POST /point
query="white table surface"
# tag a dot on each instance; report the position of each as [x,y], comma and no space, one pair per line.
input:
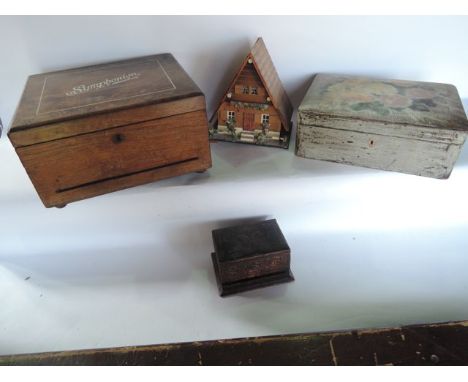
[369,249]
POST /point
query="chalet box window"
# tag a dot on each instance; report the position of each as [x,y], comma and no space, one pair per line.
[231,115]
[245,90]
[253,91]
[265,119]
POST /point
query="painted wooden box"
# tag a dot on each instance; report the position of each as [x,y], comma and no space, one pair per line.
[255,109]
[92,130]
[411,127]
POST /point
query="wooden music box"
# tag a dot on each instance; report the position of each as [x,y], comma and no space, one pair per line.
[250,256]
[88,131]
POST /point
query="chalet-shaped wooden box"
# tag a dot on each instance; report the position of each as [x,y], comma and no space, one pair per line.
[250,256]
[411,127]
[92,130]
[255,108]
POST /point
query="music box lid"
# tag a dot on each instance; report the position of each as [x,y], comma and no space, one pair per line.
[396,102]
[72,94]
[247,240]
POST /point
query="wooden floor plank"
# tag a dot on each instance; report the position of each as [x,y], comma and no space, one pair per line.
[429,344]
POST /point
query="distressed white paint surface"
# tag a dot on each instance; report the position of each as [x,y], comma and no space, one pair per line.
[412,156]
[406,126]
[383,128]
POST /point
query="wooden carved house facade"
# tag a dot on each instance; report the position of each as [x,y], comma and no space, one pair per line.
[255,109]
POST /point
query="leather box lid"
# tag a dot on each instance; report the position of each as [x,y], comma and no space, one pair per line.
[396,102]
[245,241]
[82,92]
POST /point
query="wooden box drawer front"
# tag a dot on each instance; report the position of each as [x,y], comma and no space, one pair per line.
[82,161]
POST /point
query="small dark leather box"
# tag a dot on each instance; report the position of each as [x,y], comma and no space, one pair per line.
[92,130]
[250,256]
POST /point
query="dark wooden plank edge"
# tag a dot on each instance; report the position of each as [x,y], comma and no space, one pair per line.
[429,344]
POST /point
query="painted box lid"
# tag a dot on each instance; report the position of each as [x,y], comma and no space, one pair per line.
[392,102]
[86,92]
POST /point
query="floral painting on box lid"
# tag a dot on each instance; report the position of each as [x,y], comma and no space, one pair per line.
[393,101]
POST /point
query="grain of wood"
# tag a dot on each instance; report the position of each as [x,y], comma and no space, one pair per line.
[430,344]
[65,170]
[88,131]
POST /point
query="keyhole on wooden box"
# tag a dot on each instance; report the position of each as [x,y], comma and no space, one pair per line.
[117,138]
[371,143]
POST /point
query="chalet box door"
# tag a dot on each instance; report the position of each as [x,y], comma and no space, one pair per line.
[249,119]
